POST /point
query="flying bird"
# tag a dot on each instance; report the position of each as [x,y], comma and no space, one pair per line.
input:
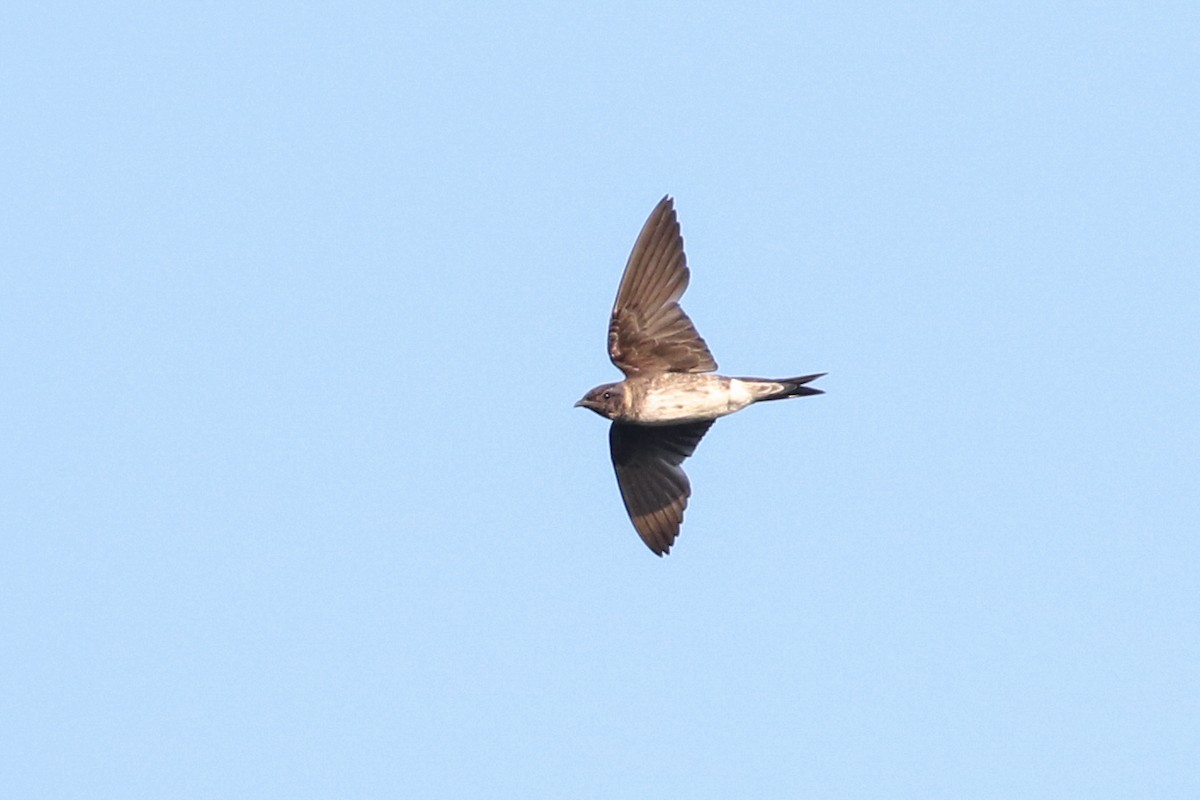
[670,396]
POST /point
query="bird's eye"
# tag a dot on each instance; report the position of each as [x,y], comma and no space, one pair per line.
[607,395]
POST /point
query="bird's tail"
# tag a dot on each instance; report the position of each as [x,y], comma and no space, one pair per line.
[779,388]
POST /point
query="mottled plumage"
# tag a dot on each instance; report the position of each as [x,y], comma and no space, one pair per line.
[668,401]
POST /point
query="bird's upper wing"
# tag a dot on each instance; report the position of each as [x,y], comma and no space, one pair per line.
[648,331]
[653,486]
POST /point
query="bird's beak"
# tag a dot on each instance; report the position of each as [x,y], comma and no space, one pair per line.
[579,404]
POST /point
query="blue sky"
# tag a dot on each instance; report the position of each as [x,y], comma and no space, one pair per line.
[298,300]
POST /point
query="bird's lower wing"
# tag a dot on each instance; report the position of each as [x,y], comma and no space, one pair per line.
[653,485]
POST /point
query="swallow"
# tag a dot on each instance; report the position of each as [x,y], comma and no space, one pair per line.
[670,396]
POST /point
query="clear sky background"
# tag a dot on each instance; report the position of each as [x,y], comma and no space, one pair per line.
[297,299]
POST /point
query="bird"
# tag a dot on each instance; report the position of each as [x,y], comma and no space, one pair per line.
[671,395]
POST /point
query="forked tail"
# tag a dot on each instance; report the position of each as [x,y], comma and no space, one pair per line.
[779,388]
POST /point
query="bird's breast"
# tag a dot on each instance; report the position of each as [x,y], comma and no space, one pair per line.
[674,399]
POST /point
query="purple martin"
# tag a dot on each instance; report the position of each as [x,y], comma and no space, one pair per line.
[670,396]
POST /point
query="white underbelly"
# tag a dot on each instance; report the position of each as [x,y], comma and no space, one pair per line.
[709,400]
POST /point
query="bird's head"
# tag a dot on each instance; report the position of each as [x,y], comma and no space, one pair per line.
[606,400]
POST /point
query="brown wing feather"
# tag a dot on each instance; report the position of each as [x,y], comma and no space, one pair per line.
[648,331]
[653,485]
